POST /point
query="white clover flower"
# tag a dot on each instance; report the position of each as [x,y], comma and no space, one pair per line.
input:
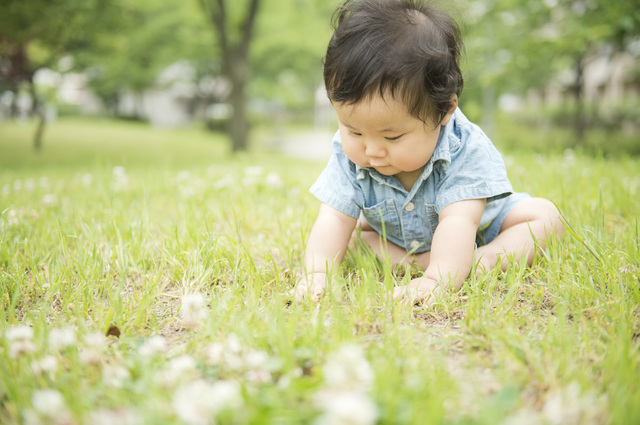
[273,180]
[258,376]
[61,338]
[184,175]
[114,376]
[346,408]
[114,417]
[157,344]
[226,181]
[46,364]
[20,339]
[49,200]
[86,179]
[198,402]
[570,406]
[44,182]
[6,190]
[252,175]
[120,179]
[193,310]
[215,352]
[227,355]
[12,217]
[255,171]
[49,403]
[91,353]
[256,359]
[29,185]
[180,368]
[226,395]
[348,369]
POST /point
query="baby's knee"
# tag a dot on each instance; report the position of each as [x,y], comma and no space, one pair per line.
[545,211]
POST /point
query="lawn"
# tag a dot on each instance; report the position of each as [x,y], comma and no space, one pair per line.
[144,278]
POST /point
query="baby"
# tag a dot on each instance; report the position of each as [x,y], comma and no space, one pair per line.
[409,174]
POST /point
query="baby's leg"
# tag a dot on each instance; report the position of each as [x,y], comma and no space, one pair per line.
[531,223]
[365,234]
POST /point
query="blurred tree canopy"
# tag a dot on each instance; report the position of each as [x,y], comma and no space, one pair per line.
[515,45]
[272,49]
[36,34]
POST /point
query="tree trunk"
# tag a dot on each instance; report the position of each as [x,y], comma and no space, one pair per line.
[238,125]
[580,124]
[39,112]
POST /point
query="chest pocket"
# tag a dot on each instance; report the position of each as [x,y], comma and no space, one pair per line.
[432,218]
[384,212]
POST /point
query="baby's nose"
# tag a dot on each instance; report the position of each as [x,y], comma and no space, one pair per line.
[374,149]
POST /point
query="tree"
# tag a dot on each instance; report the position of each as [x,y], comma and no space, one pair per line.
[148,37]
[234,23]
[37,34]
[519,45]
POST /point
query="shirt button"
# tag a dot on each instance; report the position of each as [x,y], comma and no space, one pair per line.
[415,245]
[409,207]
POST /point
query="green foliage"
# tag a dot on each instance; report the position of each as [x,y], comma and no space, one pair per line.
[86,245]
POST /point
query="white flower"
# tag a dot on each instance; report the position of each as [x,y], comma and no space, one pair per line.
[114,376]
[92,351]
[184,175]
[49,403]
[120,179]
[20,340]
[29,185]
[346,408]
[45,364]
[193,310]
[180,368]
[252,175]
[6,190]
[226,395]
[86,179]
[17,185]
[12,217]
[570,406]
[255,171]
[61,338]
[157,344]
[198,402]
[273,180]
[49,200]
[348,369]
[227,355]
[226,181]
[347,378]
[113,417]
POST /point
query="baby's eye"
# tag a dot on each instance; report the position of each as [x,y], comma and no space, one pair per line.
[354,133]
[393,139]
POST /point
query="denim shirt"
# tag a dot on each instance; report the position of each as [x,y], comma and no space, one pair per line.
[465,165]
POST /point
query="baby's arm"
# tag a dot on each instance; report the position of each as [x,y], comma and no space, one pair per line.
[452,251]
[328,242]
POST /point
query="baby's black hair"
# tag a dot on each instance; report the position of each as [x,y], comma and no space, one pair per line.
[406,48]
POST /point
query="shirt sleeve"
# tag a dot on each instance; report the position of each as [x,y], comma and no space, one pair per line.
[337,185]
[476,170]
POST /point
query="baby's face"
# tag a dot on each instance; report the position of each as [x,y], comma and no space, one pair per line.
[380,133]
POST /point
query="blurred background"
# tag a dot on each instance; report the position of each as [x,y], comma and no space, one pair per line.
[541,75]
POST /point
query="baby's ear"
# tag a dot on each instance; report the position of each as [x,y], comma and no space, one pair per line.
[452,109]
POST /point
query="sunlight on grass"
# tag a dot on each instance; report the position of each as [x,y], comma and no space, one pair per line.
[144,273]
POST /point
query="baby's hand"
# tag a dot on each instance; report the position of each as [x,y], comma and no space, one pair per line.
[311,286]
[419,291]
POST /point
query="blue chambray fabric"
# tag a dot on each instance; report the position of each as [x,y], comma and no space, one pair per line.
[465,165]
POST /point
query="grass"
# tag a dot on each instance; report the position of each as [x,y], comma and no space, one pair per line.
[120,230]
